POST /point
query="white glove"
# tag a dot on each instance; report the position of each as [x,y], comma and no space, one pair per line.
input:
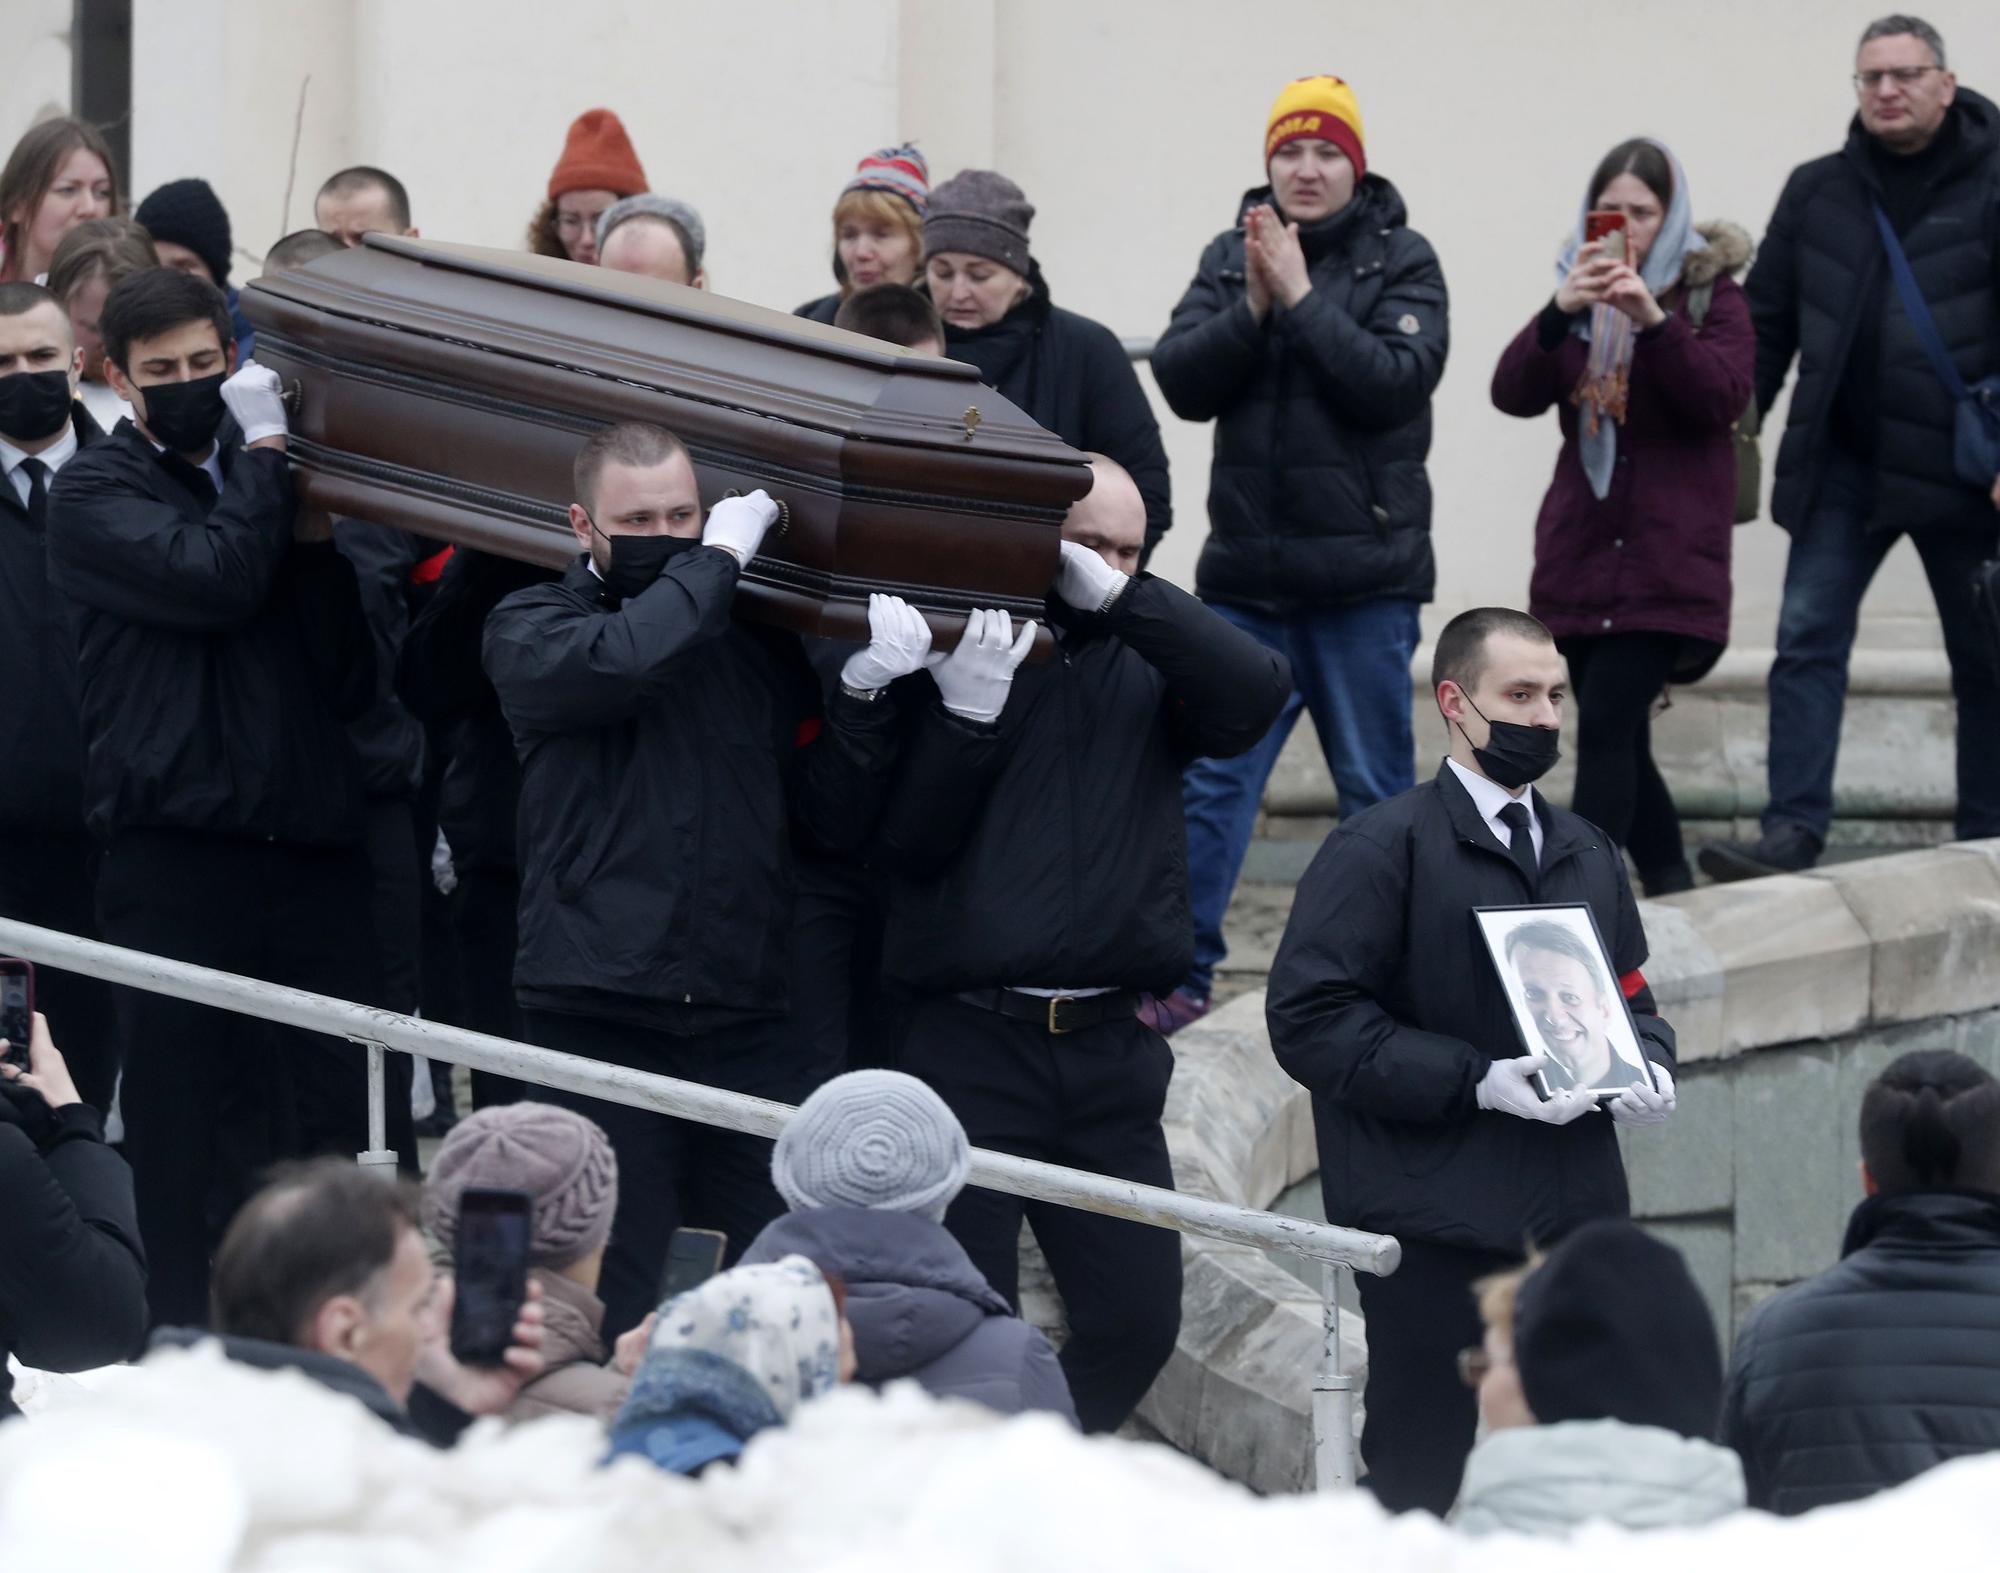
[1086,581]
[898,641]
[975,677]
[1508,1087]
[1639,1104]
[254,399]
[737,525]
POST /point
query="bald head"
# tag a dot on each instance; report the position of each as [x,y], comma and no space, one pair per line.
[649,245]
[1110,518]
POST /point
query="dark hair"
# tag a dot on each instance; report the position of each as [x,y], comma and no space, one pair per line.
[628,442]
[299,248]
[18,297]
[360,178]
[31,169]
[157,301]
[317,1230]
[895,312]
[115,247]
[1560,941]
[1898,26]
[1460,653]
[1932,1119]
[1647,160]
[543,240]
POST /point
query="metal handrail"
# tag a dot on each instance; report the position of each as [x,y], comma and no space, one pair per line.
[377,1030]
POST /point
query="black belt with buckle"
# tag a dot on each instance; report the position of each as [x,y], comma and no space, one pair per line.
[1055,1013]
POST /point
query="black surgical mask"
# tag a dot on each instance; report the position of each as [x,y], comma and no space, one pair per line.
[1514,754]
[185,416]
[637,560]
[33,405]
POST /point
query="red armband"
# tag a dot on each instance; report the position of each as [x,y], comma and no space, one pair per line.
[1632,983]
[428,571]
[809,729]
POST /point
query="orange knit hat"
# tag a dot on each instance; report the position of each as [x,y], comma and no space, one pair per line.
[598,156]
[1322,108]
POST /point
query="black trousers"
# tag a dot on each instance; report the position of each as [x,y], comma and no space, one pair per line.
[1090,1100]
[485,935]
[213,1098]
[1421,1416]
[674,1173]
[50,880]
[397,904]
[1614,679]
[838,1011]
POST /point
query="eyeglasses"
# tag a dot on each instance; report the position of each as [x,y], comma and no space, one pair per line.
[1902,76]
[1473,1364]
[570,223]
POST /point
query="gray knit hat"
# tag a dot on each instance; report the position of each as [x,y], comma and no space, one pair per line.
[562,1161]
[980,212]
[872,1139]
[651,204]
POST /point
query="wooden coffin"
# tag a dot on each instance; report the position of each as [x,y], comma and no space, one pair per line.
[446,389]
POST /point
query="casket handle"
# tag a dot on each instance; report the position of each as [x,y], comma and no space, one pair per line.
[784,511]
[292,396]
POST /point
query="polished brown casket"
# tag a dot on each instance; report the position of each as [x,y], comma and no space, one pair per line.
[446,389]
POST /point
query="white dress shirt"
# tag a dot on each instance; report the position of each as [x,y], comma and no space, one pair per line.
[105,407]
[212,465]
[1489,797]
[55,456]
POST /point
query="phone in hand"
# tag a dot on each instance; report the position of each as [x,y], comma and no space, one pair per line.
[1608,229]
[693,1257]
[17,1008]
[490,1273]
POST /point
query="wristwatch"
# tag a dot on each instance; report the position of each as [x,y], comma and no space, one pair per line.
[867,696]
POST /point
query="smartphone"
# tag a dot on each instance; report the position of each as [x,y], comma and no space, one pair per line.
[17,1008]
[490,1273]
[693,1257]
[1602,225]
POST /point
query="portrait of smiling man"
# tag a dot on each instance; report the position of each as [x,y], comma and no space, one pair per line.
[1568,999]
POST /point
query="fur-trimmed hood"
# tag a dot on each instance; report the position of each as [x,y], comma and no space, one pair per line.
[1729,251]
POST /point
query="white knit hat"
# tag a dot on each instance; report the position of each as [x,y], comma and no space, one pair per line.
[875,1139]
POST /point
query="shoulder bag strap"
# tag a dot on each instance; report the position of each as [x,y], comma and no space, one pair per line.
[1917,311]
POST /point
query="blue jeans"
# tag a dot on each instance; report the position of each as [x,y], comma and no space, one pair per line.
[1833,558]
[1351,669]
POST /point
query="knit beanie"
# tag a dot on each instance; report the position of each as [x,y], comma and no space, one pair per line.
[1611,1327]
[900,171]
[875,1139]
[562,1160]
[189,213]
[597,156]
[983,213]
[651,204]
[1322,108]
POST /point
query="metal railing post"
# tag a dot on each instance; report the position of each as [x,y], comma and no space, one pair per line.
[1333,1396]
[380,1156]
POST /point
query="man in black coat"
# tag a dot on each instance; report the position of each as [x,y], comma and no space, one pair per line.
[1889,1363]
[221,647]
[1385,1003]
[667,752]
[1868,449]
[48,865]
[1037,841]
[1313,335]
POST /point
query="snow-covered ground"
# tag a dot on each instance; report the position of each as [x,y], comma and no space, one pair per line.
[188,1464]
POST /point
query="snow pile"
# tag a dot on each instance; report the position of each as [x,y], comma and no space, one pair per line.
[191,1465]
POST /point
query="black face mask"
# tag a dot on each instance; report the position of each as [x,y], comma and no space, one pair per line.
[637,560]
[33,405]
[185,416]
[1514,754]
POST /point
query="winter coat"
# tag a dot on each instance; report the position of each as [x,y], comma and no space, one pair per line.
[72,1270]
[41,789]
[1653,555]
[575,1379]
[1384,1002]
[1881,1367]
[1071,375]
[388,740]
[219,660]
[1821,266]
[824,309]
[1549,1480]
[665,748]
[1051,849]
[921,1311]
[1318,493]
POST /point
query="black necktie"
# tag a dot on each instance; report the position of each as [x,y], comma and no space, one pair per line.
[38,492]
[1522,843]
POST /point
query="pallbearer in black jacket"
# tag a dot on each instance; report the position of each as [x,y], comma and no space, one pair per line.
[668,754]
[1042,881]
[1384,1002]
[221,646]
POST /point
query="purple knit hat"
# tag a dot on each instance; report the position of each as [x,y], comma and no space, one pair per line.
[562,1160]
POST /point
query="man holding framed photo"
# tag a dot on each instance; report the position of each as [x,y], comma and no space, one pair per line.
[1385,1002]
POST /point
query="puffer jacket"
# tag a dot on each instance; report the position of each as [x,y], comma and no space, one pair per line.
[575,1379]
[1548,1480]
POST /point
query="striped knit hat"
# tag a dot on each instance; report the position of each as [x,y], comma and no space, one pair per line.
[875,1139]
[900,171]
[562,1160]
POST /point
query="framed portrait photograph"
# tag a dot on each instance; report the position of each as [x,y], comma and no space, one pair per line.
[1564,993]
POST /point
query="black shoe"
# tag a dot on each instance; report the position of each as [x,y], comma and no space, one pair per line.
[1787,850]
[1667,881]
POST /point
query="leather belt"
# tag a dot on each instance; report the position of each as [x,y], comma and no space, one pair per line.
[1055,1013]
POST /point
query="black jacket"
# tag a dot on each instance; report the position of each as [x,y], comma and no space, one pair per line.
[1050,850]
[824,309]
[41,784]
[219,660]
[72,1271]
[665,751]
[1071,375]
[1384,1002]
[1821,267]
[1318,492]
[388,740]
[1881,1367]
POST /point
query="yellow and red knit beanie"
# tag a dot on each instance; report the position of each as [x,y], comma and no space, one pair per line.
[1321,108]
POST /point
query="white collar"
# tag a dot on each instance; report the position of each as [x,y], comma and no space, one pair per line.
[1489,797]
[55,455]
